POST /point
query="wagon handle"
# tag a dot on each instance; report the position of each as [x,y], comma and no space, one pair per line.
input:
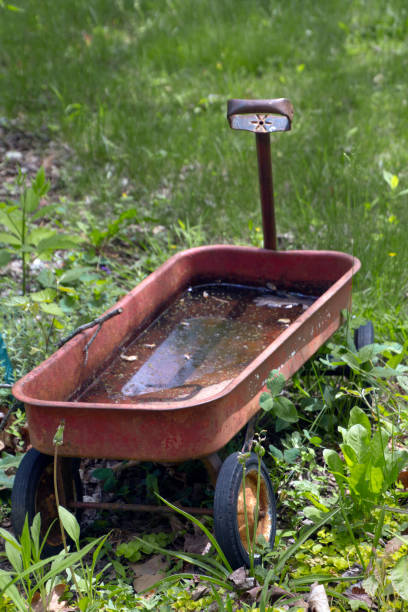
[263,117]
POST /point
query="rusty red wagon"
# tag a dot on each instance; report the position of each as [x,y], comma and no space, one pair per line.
[179,370]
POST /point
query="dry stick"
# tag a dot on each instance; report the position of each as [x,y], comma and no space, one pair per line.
[99,321]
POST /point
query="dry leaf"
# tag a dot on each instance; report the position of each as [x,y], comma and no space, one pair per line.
[148,573]
[393,546]
[55,604]
[253,594]
[129,357]
[357,592]
[196,543]
[146,582]
[403,478]
[152,566]
[201,591]
[241,580]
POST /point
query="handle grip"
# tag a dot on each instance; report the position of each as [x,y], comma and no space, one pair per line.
[260,116]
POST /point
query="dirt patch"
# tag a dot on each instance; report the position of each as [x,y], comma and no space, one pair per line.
[28,151]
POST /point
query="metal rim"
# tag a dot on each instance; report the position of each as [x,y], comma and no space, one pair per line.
[264,527]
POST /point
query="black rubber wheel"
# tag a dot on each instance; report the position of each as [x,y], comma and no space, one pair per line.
[229,515]
[33,492]
[364,335]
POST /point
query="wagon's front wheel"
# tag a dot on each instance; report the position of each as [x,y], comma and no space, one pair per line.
[33,492]
[229,510]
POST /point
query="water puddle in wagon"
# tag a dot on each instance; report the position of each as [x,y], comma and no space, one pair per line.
[203,340]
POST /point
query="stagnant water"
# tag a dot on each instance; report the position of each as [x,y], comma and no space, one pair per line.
[198,344]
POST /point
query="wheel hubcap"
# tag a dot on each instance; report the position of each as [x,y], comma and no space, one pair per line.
[264,514]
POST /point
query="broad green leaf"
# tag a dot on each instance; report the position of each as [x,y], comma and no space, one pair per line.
[358,438]
[45,295]
[398,576]
[12,591]
[52,309]
[25,541]
[75,274]
[315,501]
[40,233]
[266,402]
[13,221]
[35,534]
[357,480]
[281,425]
[313,513]
[58,242]
[358,416]
[70,524]
[370,351]
[275,452]
[376,479]
[40,185]
[14,557]
[5,257]
[382,372]
[378,447]
[10,239]
[333,461]
[31,200]
[8,537]
[44,211]
[351,360]
[18,300]
[291,454]
[349,454]
[46,278]
[275,383]
[285,409]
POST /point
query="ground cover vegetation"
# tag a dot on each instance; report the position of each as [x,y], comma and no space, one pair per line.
[115,153]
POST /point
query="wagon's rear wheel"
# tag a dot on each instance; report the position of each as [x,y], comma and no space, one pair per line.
[33,492]
[229,509]
[364,335]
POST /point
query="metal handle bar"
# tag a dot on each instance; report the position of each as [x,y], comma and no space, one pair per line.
[263,117]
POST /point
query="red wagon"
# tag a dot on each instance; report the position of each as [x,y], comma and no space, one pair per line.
[180,368]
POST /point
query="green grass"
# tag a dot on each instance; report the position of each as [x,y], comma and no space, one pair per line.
[139,88]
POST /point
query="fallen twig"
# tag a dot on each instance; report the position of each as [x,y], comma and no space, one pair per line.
[99,322]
